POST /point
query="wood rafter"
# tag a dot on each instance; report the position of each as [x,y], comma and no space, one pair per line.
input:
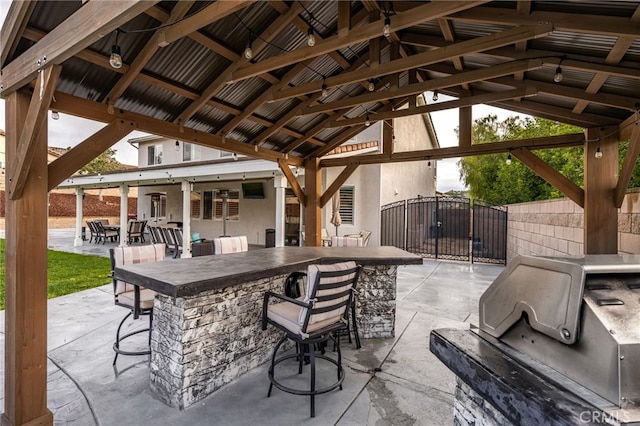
[616,54]
[571,22]
[204,17]
[147,52]
[99,112]
[550,175]
[366,32]
[453,80]
[260,44]
[422,59]
[14,23]
[447,31]
[562,141]
[36,117]
[90,22]
[486,98]
[80,155]
[522,8]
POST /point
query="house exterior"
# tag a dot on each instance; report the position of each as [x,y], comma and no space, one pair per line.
[213,192]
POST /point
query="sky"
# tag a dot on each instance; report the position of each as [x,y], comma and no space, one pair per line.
[68,131]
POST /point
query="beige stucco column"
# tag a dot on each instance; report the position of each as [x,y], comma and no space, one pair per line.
[124,209]
[187,187]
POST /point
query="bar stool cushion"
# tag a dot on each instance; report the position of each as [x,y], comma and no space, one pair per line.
[347,241]
[224,245]
[146,298]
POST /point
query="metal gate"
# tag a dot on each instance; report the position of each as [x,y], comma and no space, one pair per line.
[489,242]
[440,227]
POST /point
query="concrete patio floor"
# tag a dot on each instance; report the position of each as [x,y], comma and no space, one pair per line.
[393,381]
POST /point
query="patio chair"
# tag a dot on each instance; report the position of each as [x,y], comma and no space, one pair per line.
[312,321]
[135,231]
[93,237]
[104,233]
[202,248]
[171,241]
[137,299]
[224,245]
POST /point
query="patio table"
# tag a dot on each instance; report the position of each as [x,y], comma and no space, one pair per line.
[208,310]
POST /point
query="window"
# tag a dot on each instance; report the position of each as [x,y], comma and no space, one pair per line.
[347,205]
[191,152]
[154,155]
[158,206]
[196,203]
[213,202]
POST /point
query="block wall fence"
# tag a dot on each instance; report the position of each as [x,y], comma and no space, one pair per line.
[555,227]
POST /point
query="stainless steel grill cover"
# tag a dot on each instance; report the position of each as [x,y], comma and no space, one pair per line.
[580,316]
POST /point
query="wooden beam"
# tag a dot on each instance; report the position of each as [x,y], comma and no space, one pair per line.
[403,20]
[99,112]
[313,209]
[337,183]
[486,98]
[87,150]
[629,163]
[293,182]
[388,137]
[627,126]
[204,17]
[25,329]
[344,18]
[447,31]
[261,43]
[146,53]
[88,24]
[422,59]
[569,22]
[550,175]
[562,141]
[453,80]
[29,140]
[14,23]
[600,178]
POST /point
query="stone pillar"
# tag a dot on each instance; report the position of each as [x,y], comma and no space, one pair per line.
[187,187]
[77,242]
[124,204]
[280,183]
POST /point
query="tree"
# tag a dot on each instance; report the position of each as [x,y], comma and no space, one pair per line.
[490,178]
[104,162]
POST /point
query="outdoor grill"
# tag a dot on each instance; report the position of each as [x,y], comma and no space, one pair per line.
[580,316]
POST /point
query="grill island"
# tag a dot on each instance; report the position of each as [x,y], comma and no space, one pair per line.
[558,342]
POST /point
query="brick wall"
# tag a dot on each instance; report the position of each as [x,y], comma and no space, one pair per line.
[555,227]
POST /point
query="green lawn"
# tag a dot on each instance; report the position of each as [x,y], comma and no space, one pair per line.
[67,272]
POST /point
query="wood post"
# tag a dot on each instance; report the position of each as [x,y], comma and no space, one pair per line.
[313,210]
[25,386]
[600,179]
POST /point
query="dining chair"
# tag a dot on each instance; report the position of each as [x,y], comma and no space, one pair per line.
[312,321]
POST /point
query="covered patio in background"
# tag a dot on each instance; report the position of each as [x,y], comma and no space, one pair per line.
[287,83]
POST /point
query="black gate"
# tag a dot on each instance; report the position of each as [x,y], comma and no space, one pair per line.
[489,232]
[440,227]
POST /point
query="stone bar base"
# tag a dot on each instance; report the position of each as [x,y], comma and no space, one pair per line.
[470,409]
[200,343]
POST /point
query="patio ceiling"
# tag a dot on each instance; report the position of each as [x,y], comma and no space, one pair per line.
[185,76]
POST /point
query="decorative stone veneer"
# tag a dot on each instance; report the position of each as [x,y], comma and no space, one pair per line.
[470,409]
[201,343]
[376,301]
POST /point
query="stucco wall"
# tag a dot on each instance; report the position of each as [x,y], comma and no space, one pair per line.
[555,227]
[255,215]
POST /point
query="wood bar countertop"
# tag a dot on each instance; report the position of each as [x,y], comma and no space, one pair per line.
[191,276]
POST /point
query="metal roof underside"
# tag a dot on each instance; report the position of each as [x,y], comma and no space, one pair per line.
[595,43]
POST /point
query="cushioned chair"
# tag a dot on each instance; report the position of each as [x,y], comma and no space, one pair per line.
[224,245]
[93,230]
[138,300]
[312,321]
[135,230]
[347,241]
[169,237]
[104,233]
